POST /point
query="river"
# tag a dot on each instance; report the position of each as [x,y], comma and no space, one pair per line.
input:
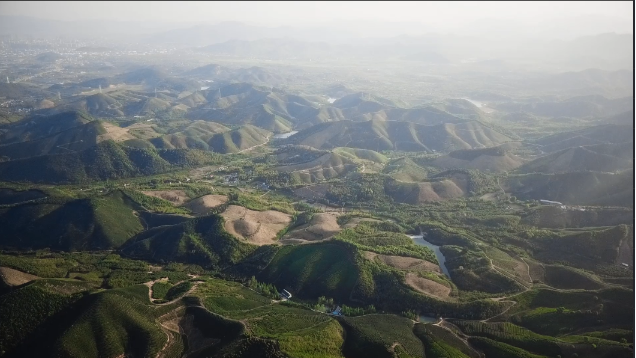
[419,240]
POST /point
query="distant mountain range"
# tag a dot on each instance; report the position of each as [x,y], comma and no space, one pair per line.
[599,158]
[395,135]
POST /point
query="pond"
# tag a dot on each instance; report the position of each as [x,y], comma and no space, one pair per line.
[428,319]
[419,240]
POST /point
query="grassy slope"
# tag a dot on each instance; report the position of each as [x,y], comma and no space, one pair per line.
[314,270]
[201,241]
[102,222]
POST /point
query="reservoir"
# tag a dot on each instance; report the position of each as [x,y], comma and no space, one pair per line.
[419,240]
[284,135]
[428,319]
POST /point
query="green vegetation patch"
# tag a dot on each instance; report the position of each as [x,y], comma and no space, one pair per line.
[376,336]
[370,237]
[439,342]
[111,322]
[327,269]
[159,290]
[223,297]
[178,290]
[24,309]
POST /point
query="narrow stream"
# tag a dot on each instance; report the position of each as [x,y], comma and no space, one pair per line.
[419,240]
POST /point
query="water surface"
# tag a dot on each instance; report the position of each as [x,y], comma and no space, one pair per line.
[419,240]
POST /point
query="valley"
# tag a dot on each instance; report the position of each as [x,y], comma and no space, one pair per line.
[271,197]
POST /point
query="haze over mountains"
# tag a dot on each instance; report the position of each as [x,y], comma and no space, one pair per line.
[609,46]
[333,180]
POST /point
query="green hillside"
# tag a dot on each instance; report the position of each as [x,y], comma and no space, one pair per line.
[405,170]
[106,160]
[576,188]
[68,141]
[602,134]
[106,324]
[494,159]
[380,336]
[393,135]
[99,105]
[310,166]
[238,140]
[599,157]
[24,309]
[201,241]
[98,223]
[42,126]
[214,137]
[314,270]
[273,110]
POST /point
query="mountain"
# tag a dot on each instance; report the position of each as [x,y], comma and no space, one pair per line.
[21,90]
[36,127]
[99,105]
[99,223]
[214,137]
[493,159]
[207,34]
[106,160]
[152,78]
[602,134]
[279,48]
[575,107]
[68,141]
[405,170]
[203,241]
[314,166]
[599,157]
[393,135]
[575,188]
[255,75]
[625,118]
[272,110]
[454,186]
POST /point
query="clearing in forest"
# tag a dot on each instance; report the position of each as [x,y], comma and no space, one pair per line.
[255,227]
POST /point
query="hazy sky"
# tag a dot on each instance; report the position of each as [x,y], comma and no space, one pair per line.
[288,13]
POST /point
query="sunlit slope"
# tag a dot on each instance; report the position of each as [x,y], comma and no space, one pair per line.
[101,222]
[599,157]
[577,188]
[106,160]
[393,135]
[270,109]
[214,137]
[494,159]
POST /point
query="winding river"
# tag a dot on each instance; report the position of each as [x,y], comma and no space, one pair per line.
[419,240]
